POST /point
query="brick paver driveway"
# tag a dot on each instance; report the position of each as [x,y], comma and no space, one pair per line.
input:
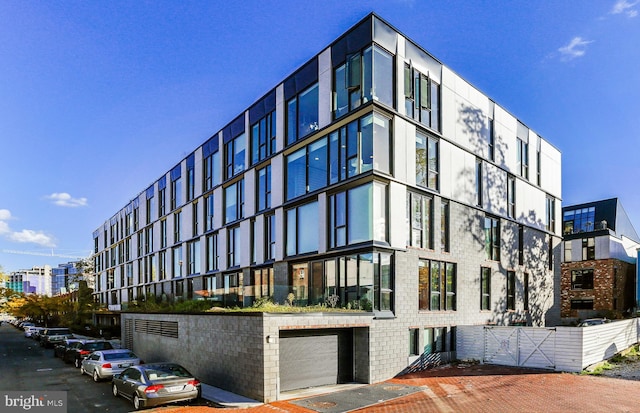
[487,388]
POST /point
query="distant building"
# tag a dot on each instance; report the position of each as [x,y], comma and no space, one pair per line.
[598,261]
[36,280]
[373,177]
[65,278]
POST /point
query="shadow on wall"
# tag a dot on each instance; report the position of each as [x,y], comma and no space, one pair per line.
[536,254]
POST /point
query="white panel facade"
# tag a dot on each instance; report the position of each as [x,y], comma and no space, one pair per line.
[495,195]
[325,86]
[397,206]
[505,127]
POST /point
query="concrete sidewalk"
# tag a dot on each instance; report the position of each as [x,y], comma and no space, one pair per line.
[227,399]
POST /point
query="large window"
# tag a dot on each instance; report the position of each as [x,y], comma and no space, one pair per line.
[436,285]
[262,284]
[360,146]
[427,165]
[485,288]
[234,202]
[307,169]
[363,281]
[358,215]
[492,238]
[235,155]
[302,114]
[264,188]
[578,220]
[363,77]
[302,229]
[582,279]
[263,138]
[420,219]
[435,340]
[224,289]
[422,97]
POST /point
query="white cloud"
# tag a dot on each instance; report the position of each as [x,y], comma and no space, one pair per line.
[65,200]
[5,215]
[625,7]
[34,237]
[24,236]
[577,47]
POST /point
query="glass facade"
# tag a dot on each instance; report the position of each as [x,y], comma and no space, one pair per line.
[325,178]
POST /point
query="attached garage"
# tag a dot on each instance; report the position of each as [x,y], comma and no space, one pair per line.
[313,358]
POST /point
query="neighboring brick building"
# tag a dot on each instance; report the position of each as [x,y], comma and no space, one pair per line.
[598,261]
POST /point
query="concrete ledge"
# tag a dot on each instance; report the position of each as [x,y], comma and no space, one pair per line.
[227,399]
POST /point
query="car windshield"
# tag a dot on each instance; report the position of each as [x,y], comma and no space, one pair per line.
[166,372]
[120,356]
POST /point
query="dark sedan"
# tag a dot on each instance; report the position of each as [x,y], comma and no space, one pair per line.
[149,385]
[60,349]
[78,351]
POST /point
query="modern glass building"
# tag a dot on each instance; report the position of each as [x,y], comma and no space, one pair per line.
[374,178]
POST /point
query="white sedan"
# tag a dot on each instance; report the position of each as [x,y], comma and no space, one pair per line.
[103,364]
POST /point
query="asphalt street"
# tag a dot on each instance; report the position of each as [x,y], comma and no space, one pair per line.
[25,366]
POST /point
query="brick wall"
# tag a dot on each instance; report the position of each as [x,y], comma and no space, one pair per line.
[612,293]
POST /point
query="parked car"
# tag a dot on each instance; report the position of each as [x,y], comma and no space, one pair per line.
[149,385]
[37,333]
[31,330]
[78,351]
[593,322]
[61,348]
[52,336]
[103,364]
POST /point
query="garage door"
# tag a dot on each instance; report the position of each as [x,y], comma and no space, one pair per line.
[308,361]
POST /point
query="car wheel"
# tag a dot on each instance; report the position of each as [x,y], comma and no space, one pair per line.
[77,363]
[114,390]
[136,402]
[96,378]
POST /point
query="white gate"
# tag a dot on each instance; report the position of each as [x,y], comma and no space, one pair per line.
[520,346]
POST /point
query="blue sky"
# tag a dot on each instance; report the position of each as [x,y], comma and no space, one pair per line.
[98,99]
